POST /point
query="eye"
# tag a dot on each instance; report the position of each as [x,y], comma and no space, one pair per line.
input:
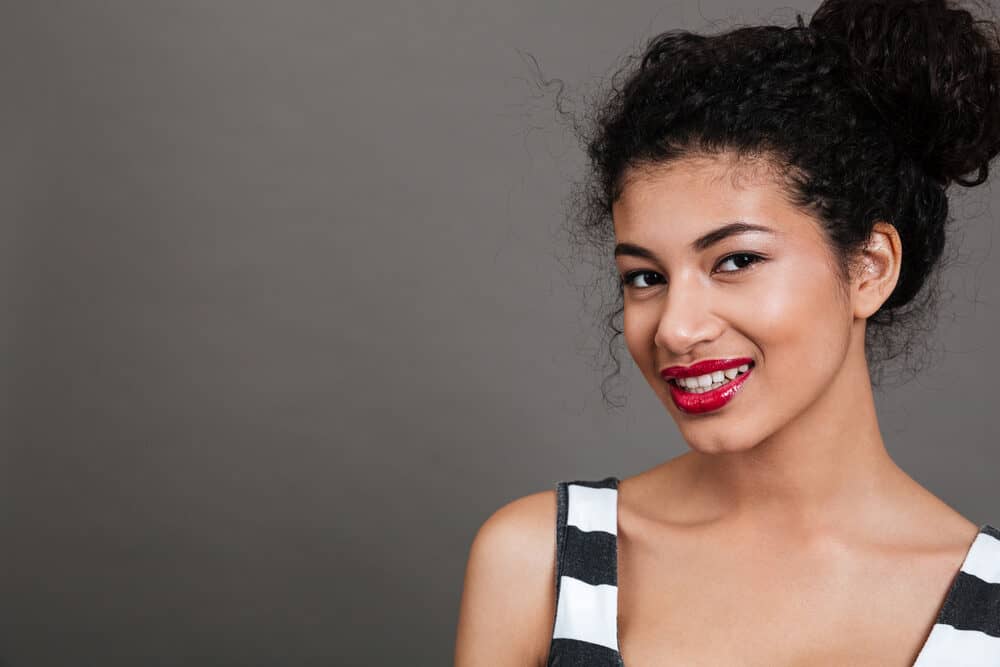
[628,278]
[741,260]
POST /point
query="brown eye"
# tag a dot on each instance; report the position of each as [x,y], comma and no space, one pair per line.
[740,260]
[645,276]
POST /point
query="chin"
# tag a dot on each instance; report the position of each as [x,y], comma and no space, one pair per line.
[716,445]
[720,437]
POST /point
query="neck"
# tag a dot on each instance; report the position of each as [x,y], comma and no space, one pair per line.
[826,468]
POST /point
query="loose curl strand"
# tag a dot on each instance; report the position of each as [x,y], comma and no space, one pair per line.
[869,112]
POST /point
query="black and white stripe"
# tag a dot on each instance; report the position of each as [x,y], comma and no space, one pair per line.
[966,632]
[586,623]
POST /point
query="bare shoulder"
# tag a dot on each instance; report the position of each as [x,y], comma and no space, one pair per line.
[939,525]
[520,528]
[508,597]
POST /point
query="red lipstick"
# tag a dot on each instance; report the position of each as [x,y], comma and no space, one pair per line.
[703,367]
[708,401]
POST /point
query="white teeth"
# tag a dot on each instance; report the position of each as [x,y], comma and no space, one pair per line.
[710,381]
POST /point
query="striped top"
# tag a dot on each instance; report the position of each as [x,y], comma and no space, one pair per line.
[966,631]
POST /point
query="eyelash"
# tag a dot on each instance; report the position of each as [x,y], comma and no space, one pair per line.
[755,259]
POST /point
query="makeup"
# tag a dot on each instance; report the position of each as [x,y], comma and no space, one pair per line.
[707,385]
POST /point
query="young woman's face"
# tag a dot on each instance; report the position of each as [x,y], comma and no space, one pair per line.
[768,299]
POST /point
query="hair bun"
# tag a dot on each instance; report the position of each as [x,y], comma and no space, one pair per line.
[932,72]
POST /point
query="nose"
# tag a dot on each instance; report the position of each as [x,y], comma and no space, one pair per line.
[687,318]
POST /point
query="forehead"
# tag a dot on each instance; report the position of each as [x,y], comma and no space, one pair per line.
[678,202]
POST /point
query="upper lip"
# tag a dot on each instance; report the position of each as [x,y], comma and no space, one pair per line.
[703,367]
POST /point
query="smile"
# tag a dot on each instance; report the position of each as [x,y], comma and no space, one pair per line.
[697,394]
[710,381]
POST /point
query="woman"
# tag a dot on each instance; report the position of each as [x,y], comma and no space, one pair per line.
[777,202]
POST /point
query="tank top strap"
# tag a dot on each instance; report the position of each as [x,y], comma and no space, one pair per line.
[967,628]
[585,633]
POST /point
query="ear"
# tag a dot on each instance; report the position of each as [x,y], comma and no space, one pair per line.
[878,271]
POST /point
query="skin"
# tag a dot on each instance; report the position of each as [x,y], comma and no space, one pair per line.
[786,536]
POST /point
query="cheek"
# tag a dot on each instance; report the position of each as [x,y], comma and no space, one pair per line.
[639,326]
[801,319]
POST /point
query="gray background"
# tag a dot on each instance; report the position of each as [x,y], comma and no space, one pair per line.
[287,315]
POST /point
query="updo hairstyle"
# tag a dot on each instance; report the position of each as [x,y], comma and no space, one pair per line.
[870,112]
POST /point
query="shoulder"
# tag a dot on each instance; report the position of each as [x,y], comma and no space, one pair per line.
[520,526]
[508,597]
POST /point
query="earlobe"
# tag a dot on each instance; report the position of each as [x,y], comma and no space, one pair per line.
[881,258]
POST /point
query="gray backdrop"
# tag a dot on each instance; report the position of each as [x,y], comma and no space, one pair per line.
[288,314]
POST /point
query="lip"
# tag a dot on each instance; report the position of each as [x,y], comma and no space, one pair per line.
[703,367]
[708,401]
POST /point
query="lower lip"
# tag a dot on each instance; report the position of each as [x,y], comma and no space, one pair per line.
[710,400]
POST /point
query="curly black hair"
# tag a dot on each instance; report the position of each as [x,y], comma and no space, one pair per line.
[867,113]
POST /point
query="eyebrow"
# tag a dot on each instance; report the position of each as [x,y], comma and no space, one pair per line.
[701,243]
